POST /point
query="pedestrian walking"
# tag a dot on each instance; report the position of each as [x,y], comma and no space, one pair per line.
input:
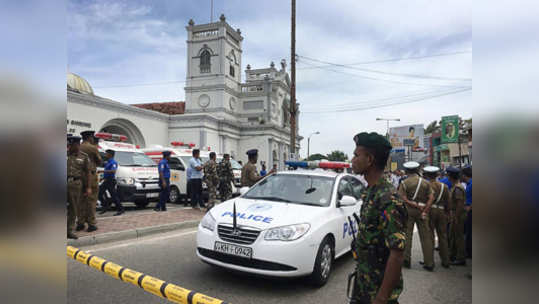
[212,179]
[417,194]
[381,239]
[249,174]
[164,182]
[457,245]
[226,177]
[109,185]
[263,172]
[89,202]
[78,170]
[196,180]
[439,212]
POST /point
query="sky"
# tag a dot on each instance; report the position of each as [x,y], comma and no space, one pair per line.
[135,52]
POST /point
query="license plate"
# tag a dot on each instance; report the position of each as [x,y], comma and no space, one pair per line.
[241,251]
[152,195]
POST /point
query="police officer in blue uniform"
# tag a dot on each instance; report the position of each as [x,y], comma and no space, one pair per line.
[164,182]
[109,184]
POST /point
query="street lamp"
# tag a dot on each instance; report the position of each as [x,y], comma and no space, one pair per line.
[388,120]
[309,142]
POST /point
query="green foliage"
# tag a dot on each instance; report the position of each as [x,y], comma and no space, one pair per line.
[316,156]
[337,156]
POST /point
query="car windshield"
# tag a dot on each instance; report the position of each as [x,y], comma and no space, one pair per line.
[235,164]
[294,188]
[134,159]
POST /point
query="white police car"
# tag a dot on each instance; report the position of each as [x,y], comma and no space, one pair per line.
[292,223]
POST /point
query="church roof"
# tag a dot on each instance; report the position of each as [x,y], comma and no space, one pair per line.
[171,107]
[79,84]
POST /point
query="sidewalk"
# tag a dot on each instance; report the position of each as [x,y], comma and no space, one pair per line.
[137,224]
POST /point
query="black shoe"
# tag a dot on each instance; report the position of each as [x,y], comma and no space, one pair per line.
[459,263]
[406,264]
[421,262]
[91,228]
[79,227]
[103,211]
[71,235]
[445,265]
[156,209]
[437,248]
[429,268]
[164,209]
[118,213]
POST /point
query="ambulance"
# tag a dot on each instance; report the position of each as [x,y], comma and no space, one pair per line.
[179,161]
[137,176]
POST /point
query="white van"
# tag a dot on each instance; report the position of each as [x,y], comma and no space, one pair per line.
[137,176]
[179,161]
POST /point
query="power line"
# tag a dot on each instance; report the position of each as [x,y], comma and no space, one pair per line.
[368,107]
[400,59]
[389,80]
[386,73]
[141,84]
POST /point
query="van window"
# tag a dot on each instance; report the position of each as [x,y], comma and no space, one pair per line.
[134,159]
[176,164]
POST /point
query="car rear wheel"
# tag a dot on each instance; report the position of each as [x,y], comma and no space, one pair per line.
[323,264]
[175,195]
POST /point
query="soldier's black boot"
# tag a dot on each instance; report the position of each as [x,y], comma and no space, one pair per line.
[429,268]
[80,227]
[91,228]
[71,235]
[406,264]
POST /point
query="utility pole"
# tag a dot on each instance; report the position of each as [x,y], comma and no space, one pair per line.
[293,81]
[460,149]
[388,120]
[211,12]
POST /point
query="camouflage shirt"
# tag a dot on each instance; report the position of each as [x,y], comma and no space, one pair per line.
[381,228]
[225,170]
[210,172]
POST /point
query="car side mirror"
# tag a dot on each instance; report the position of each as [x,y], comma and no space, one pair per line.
[347,201]
[243,190]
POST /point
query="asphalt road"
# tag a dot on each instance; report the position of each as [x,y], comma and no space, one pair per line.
[171,257]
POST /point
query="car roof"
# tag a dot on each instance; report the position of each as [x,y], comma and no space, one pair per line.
[315,172]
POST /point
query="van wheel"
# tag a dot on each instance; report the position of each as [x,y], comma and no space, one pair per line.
[142,203]
[323,263]
[175,195]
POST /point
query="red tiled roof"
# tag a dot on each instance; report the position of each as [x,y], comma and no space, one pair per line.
[171,107]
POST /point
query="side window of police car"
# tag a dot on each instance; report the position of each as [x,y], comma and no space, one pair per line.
[345,188]
[357,187]
[176,164]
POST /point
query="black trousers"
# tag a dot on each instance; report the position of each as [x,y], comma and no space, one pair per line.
[468,230]
[110,186]
[196,192]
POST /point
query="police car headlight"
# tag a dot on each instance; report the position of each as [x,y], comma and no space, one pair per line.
[127,180]
[208,222]
[287,233]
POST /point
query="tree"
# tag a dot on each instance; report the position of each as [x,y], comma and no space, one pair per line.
[316,156]
[337,156]
[432,127]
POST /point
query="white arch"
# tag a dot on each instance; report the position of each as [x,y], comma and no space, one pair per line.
[125,127]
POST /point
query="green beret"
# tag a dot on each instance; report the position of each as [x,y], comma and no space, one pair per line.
[372,140]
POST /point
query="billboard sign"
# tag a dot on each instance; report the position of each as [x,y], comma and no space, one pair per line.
[450,129]
[411,135]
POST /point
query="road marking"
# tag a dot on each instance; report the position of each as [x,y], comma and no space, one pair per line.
[138,241]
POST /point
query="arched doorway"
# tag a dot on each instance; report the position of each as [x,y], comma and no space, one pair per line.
[124,127]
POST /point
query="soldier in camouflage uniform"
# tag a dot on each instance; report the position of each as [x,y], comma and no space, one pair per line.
[457,244]
[212,179]
[226,177]
[78,169]
[89,202]
[381,239]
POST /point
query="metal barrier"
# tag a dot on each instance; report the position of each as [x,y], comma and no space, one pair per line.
[150,284]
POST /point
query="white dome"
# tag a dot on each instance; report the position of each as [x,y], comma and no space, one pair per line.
[79,84]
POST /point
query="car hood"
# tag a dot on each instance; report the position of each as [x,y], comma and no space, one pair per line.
[263,214]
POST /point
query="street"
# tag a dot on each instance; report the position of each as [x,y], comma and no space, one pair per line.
[171,257]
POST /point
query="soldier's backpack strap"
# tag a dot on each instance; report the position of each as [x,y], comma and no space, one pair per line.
[417,189]
[440,195]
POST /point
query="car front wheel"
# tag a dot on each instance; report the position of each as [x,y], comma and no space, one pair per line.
[174,196]
[323,263]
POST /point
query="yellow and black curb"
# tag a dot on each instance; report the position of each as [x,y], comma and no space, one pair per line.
[150,284]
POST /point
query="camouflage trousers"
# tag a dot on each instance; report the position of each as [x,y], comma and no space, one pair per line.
[88,205]
[212,193]
[225,189]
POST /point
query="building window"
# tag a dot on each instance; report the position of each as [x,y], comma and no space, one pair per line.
[231,72]
[205,62]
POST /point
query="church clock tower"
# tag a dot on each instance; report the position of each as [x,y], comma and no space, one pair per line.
[213,67]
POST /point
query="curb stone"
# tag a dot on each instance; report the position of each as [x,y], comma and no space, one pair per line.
[129,234]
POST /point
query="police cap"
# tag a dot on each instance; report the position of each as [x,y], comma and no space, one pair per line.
[109,151]
[86,134]
[73,139]
[453,170]
[411,165]
[372,140]
[166,153]
[431,169]
[252,152]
